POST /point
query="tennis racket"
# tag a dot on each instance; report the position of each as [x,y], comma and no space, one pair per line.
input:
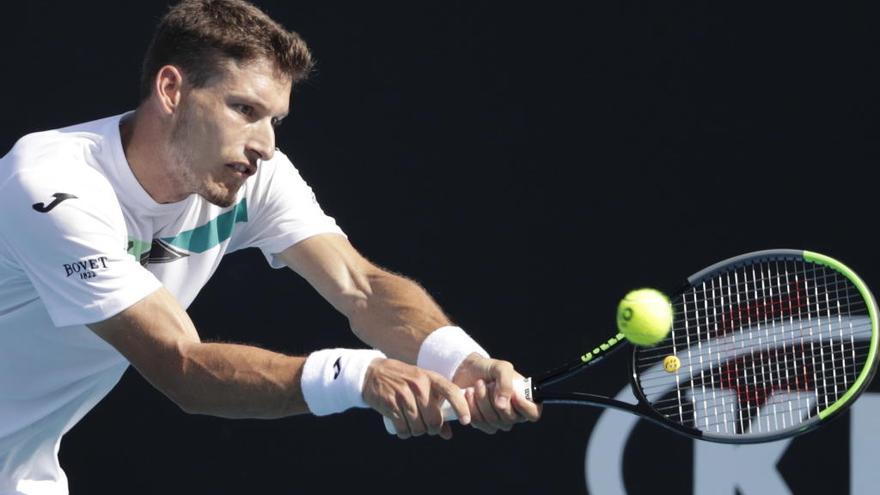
[763,346]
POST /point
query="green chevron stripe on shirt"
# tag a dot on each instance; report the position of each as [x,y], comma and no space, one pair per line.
[138,248]
[204,237]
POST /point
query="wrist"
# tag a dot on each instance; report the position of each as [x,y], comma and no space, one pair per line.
[333,379]
[446,348]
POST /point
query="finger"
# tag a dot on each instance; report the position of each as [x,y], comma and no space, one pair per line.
[388,407]
[429,406]
[408,405]
[503,375]
[527,410]
[401,428]
[448,391]
[446,432]
[484,404]
[477,420]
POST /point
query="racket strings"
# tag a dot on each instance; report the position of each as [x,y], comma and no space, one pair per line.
[706,326]
[740,307]
[765,346]
[727,419]
[786,363]
[726,326]
[861,328]
[743,385]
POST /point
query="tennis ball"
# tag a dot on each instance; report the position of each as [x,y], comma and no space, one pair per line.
[644,316]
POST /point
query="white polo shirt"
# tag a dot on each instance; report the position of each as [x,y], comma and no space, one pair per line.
[81,240]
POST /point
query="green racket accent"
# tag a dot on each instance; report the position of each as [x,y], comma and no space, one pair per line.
[603,348]
[872,350]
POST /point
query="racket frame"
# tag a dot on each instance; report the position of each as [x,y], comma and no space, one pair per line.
[642,406]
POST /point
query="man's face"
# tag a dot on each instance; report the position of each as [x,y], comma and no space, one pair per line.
[225,129]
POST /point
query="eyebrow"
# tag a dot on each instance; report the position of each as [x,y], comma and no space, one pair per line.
[255,101]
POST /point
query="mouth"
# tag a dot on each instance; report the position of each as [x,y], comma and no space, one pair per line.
[242,169]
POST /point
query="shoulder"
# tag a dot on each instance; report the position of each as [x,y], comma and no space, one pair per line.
[51,185]
[57,161]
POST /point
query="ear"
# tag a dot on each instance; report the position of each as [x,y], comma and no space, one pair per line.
[168,88]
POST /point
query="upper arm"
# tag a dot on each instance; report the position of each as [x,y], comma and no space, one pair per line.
[334,268]
[153,334]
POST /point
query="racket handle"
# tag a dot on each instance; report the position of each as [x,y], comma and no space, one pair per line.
[522,388]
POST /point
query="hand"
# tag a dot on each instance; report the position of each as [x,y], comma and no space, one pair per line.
[411,398]
[492,402]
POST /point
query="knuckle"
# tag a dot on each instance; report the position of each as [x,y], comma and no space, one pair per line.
[433,376]
[389,398]
[402,396]
[426,379]
[411,411]
[422,383]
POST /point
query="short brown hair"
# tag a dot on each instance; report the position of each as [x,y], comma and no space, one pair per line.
[196,35]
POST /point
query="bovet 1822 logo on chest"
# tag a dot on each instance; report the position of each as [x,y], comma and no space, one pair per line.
[86,268]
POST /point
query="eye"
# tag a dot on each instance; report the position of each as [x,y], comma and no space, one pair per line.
[276,122]
[245,110]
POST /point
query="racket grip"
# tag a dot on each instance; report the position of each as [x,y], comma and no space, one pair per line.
[522,388]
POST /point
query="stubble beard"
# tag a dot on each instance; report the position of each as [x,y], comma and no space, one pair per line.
[183,175]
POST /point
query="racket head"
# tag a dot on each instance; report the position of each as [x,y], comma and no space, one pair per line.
[765,345]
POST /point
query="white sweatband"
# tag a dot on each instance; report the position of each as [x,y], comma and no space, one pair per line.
[445,349]
[333,379]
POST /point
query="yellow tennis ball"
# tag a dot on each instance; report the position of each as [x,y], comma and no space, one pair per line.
[644,316]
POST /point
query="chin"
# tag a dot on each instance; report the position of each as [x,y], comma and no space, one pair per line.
[222,199]
[222,202]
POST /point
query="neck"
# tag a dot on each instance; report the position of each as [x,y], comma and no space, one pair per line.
[143,142]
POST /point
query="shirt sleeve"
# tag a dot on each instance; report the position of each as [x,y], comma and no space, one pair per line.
[66,232]
[282,211]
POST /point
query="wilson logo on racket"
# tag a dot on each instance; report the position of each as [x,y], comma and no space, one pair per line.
[609,344]
[786,301]
[741,389]
[792,376]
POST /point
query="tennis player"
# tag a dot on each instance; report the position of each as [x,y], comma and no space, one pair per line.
[110,228]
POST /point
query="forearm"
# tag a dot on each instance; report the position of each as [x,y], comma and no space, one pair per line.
[238,381]
[395,314]
[387,311]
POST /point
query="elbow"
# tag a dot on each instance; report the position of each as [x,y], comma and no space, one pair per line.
[357,298]
[357,311]
[182,398]
[184,402]
[176,392]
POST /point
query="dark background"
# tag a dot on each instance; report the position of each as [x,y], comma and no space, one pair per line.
[528,164]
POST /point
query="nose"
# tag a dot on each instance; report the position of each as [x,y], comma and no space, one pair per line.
[261,144]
